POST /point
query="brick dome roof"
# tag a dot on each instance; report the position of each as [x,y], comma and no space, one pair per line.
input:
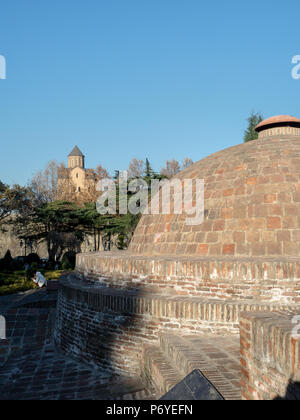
[252,206]
[278,120]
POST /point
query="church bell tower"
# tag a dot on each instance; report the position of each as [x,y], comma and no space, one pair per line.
[76,159]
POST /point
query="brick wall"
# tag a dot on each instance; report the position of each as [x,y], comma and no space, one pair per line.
[108,326]
[264,280]
[279,131]
[270,356]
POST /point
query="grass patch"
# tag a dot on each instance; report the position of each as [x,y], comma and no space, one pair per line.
[15,281]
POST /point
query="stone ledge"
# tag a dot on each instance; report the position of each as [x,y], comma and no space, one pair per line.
[218,313]
[261,279]
[132,256]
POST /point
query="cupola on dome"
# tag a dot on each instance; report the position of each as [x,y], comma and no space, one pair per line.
[280,125]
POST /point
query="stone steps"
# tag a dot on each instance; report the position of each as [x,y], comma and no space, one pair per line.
[216,357]
[158,370]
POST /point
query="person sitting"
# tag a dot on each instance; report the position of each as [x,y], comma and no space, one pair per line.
[39,279]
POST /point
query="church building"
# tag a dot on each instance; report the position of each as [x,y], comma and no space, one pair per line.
[76,177]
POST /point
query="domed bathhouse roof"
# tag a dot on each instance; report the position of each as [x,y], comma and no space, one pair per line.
[252,206]
[179,278]
[249,237]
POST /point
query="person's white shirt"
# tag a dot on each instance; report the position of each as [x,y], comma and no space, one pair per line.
[40,280]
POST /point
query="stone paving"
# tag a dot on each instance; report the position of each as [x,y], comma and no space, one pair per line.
[220,362]
[43,374]
[31,368]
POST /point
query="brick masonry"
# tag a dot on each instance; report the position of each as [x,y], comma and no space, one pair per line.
[108,326]
[217,357]
[182,279]
[32,368]
[252,206]
[279,131]
[259,279]
[270,356]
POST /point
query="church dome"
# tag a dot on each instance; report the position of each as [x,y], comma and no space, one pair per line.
[252,205]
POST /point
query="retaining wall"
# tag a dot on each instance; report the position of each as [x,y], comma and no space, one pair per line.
[264,280]
[270,356]
[108,326]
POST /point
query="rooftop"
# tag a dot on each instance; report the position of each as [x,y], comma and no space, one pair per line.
[252,206]
[76,152]
[278,119]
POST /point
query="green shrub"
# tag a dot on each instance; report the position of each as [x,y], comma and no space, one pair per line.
[69,260]
[67,266]
[6,261]
[16,265]
[122,241]
[33,258]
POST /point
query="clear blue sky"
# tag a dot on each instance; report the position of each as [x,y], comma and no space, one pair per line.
[139,78]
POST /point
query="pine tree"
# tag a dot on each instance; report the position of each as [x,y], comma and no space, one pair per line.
[254,119]
[149,173]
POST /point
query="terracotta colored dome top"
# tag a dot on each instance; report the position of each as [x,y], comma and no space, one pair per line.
[251,206]
[277,120]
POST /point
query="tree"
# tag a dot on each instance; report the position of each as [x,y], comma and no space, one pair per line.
[116,175]
[7,258]
[45,182]
[2,187]
[171,169]
[92,223]
[59,242]
[149,173]
[53,184]
[250,133]
[14,200]
[101,172]
[55,223]
[136,168]
[5,203]
[186,163]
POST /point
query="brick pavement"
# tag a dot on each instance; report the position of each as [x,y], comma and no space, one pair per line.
[217,357]
[31,368]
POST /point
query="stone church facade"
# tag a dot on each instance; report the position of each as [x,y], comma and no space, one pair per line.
[76,179]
